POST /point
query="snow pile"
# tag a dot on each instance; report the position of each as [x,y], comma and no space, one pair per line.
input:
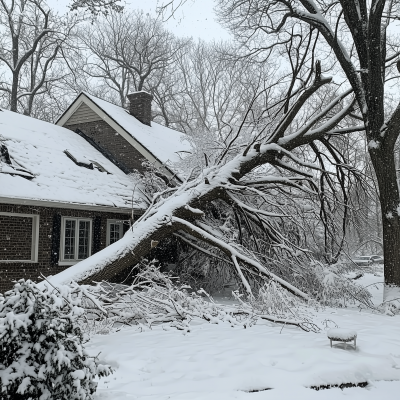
[41,352]
[392,300]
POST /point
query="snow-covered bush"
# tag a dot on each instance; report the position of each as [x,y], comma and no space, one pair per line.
[41,346]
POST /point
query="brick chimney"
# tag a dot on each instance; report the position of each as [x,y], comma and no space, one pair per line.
[140,106]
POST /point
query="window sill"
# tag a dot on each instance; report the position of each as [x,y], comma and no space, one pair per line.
[18,261]
[65,263]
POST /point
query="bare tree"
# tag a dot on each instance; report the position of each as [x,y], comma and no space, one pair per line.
[31,46]
[195,86]
[129,52]
[216,87]
[357,34]
[96,7]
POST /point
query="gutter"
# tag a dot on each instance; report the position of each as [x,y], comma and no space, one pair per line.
[69,206]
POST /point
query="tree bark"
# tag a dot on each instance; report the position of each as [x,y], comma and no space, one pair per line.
[385,169]
[14,93]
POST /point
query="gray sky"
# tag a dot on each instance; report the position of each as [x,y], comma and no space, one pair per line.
[196,18]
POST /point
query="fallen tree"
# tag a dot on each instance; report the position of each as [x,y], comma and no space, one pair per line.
[241,168]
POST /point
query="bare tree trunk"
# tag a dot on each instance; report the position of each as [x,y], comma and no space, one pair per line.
[385,169]
[14,93]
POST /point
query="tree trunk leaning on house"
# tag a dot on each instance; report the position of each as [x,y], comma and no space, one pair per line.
[182,208]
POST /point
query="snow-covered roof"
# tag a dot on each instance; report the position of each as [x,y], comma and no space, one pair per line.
[43,162]
[163,142]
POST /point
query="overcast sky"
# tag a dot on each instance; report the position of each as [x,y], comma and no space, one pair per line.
[196,18]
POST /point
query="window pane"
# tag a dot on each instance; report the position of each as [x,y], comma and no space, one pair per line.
[69,241]
[115,232]
[83,240]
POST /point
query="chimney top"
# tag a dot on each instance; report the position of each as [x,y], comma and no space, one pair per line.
[140,106]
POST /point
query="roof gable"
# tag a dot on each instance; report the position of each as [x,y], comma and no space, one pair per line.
[83,113]
[160,145]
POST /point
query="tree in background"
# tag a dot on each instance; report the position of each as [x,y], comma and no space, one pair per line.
[129,52]
[30,48]
[34,50]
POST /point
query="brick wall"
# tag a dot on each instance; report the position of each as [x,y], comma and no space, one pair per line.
[140,106]
[12,227]
[110,140]
[15,238]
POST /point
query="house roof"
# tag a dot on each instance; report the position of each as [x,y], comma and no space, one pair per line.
[44,163]
[157,143]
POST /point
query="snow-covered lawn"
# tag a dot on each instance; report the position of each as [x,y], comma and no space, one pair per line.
[220,362]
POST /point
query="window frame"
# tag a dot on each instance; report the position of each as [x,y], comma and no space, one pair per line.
[108,230]
[35,236]
[62,261]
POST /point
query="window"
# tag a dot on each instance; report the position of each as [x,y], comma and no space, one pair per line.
[19,237]
[76,240]
[114,231]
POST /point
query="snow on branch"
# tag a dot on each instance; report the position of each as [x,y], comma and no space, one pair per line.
[154,298]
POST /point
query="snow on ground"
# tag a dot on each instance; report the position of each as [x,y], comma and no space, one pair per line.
[220,362]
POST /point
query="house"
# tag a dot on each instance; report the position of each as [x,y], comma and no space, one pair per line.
[67,193]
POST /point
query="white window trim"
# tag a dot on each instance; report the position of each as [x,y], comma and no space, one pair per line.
[62,261]
[35,236]
[113,221]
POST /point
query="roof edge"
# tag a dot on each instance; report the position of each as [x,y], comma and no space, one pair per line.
[69,206]
[70,106]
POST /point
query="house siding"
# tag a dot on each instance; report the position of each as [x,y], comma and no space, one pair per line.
[12,226]
[110,140]
[83,113]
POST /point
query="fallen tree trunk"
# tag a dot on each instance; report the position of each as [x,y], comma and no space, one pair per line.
[179,209]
